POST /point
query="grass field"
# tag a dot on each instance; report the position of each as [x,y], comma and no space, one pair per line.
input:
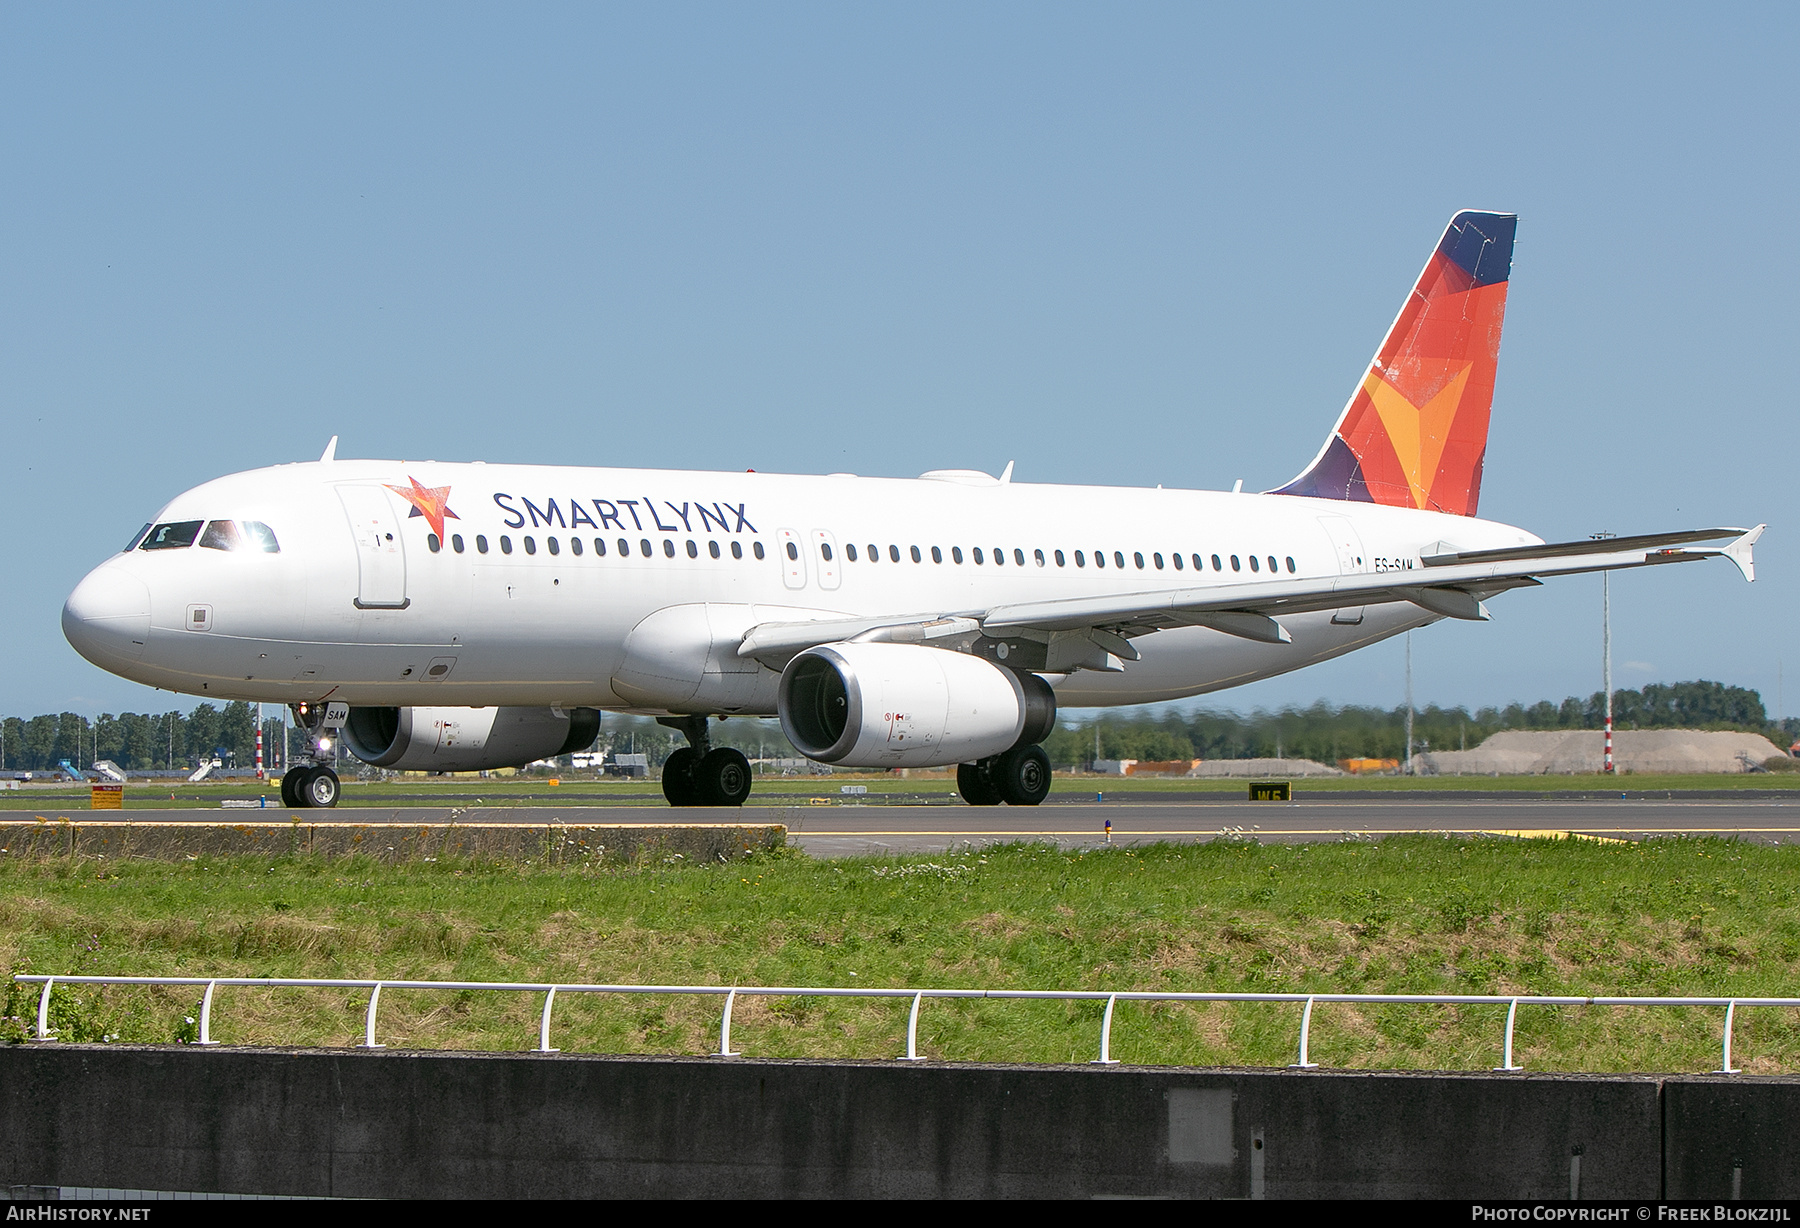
[779,790]
[1413,914]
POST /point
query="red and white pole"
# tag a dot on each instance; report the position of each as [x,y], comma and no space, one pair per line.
[1609,762]
[260,774]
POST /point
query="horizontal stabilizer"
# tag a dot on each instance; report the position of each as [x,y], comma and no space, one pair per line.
[1587,545]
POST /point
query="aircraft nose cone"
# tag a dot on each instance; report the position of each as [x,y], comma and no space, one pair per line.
[107,617]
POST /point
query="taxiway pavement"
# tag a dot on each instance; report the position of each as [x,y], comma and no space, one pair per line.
[846,827]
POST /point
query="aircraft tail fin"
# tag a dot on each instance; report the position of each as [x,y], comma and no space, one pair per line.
[1415,431]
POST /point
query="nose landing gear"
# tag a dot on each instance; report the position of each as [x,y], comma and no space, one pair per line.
[700,774]
[311,782]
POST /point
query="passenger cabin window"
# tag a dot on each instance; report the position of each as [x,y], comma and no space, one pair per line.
[1100,558]
[999,557]
[1217,566]
[937,556]
[644,548]
[915,554]
[624,548]
[1018,556]
[756,548]
[894,552]
[1059,559]
[1290,563]
[737,550]
[1173,558]
[825,551]
[432,543]
[874,553]
[1254,565]
[176,535]
[505,544]
[712,548]
[694,551]
[956,554]
[1157,559]
[1039,556]
[555,546]
[1119,559]
[530,545]
[850,552]
[793,551]
[220,535]
[1080,559]
[669,548]
[481,543]
[1235,565]
[575,545]
[976,554]
[600,547]
[259,536]
[456,542]
[1137,556]
[1272,566]
[1199,567]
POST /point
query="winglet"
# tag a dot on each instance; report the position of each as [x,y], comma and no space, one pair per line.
[1740,552]
[1006,474]
[330,453]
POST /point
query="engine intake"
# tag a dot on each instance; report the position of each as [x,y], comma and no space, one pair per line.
[466,739]
[904,705]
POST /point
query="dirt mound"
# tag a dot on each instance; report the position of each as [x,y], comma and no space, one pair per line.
[1521,752]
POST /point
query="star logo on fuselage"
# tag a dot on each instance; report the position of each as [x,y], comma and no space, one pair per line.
[431,502]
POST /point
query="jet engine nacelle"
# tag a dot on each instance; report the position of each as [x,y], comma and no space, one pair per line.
[903,705]
[466,739]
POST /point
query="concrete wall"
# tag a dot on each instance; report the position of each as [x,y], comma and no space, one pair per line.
[393,1124]
[1731,1136]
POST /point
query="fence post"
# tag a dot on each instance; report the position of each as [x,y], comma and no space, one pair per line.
[1506,1062]
[912,1030]
[43,1027]
[725,1028]
[1305,1027]
[544,1024]
[1725,1066]
[369,1020]
[1106,1058]
[206,1015]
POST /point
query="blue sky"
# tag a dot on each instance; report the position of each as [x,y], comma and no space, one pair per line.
[1122,245]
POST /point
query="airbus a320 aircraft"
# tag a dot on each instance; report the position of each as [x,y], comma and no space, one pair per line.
[452,617]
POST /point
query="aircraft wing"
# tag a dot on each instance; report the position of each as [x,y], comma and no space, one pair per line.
[1080,632]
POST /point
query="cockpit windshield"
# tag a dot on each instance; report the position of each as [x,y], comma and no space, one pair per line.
[136,538]
[259,536]
[219,535]
[176,535]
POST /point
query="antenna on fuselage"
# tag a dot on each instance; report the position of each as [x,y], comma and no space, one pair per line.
[330,452]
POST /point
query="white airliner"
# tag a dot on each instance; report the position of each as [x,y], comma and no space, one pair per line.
[463,616]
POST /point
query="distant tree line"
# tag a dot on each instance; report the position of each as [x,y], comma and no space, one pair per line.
[144,741]
[137,741]
[1326,733]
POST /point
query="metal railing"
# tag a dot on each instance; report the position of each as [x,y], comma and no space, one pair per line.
[918,996]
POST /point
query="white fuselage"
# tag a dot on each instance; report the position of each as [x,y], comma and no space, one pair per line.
[531,621]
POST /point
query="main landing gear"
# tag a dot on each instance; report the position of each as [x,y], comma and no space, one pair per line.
[700,774]
[311,782]
[1018,777]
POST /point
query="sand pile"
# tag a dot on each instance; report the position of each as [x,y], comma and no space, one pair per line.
[1521,752]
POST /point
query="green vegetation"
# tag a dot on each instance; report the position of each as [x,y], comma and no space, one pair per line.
[1416,914]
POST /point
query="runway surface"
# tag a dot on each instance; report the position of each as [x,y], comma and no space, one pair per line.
[841,829]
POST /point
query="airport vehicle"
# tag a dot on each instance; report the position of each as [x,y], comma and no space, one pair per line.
[462,616]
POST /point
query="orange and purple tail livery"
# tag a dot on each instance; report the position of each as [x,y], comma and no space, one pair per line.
[1415,431]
